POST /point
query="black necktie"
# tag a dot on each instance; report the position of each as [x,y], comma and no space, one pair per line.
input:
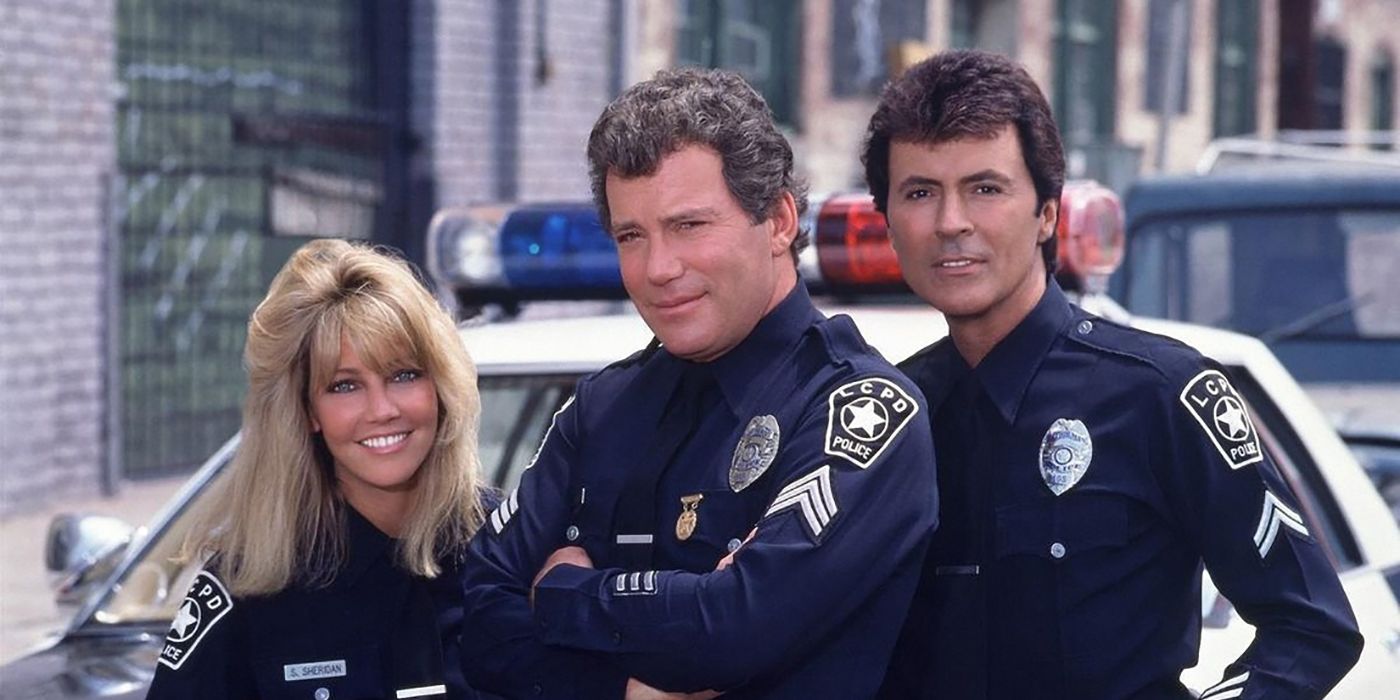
[635,521]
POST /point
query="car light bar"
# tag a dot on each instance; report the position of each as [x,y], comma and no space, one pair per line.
[853,249]
[533,251]
[1090,233]
[560,251]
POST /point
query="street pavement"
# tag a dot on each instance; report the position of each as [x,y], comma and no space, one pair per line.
[28,616]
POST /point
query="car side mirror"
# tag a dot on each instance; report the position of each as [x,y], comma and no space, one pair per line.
[79,552]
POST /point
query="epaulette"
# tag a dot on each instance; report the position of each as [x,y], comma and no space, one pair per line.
[842,340]
[635,358]
[1155,351]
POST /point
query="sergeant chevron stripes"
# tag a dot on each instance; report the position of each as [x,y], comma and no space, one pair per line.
[813,496]
[1228,688]
[1275,514]
[504,512]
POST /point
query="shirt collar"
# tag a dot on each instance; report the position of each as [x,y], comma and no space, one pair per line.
[1006,372]
[936,370]
[365,544]
[740,372]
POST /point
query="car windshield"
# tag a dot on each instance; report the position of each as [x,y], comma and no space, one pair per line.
[1318,286]
[516,411]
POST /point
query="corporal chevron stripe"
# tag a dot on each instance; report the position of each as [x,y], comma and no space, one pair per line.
[504,512]
[813,496]
[1228,688]
[1274,516]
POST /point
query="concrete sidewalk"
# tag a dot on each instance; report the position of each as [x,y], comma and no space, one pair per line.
[28,615]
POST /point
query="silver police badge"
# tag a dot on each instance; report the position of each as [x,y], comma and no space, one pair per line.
[754,453]
[1065,452]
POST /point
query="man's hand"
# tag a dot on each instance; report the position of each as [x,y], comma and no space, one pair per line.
[729,558]
[564,555]
[637,690]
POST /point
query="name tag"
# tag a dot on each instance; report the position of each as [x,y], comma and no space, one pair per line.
[315,669]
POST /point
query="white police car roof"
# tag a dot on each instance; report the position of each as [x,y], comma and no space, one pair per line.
[569,343]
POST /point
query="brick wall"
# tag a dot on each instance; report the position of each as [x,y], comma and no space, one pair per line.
[56,153]
[492,130]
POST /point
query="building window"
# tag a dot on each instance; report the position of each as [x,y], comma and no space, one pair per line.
[1086,70]
[1236,56]
[758,40]
[1330,93]
[1383,96]
[1168,55]
[863,33]
[990,25]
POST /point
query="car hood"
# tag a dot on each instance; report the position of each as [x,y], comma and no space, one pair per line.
[75,667]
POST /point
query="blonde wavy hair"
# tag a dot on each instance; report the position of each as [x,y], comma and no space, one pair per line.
[276,518]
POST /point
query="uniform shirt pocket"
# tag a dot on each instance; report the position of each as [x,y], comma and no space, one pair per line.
[723,519]
[335,673]
[1063,527]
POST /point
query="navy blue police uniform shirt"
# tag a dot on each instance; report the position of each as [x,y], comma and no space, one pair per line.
[376,631]
[1086,471]
[807,435]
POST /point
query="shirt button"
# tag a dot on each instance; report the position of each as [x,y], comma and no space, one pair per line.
[617,637]
[734,544]
[572,533]
[1057,550]
[1085,327]
[537,689]
[323,694]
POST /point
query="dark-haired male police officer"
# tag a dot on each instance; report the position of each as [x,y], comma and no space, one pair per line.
[755,415]
[1086,469]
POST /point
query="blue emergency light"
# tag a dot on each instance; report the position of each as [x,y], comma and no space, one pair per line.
[523,252]
[559,245]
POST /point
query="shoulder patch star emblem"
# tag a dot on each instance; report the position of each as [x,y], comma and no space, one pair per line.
[1219,410]
[864,417]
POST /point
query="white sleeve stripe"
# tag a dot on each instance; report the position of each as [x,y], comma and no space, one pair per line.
[813,496]
[420,692]
[819,480]
[814,493]
[811,492]
[1269,496]
[1274,515]
[634,583]
[1227,683]
[1225,694]
[805,499]
[552,422]
[504,512]
[822,473]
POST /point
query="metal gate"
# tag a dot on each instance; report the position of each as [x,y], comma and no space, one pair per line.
[244,126]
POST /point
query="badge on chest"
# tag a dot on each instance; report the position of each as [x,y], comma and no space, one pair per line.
[1065,453]
[754,453]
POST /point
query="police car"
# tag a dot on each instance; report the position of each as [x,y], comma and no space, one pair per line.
[529,363]
[1320,242]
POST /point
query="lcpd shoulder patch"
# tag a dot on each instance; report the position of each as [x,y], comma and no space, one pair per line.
[1221,413]
[205,604]
[864,417]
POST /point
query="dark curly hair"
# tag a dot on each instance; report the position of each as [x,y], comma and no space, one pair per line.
[690,106]
[967,94]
